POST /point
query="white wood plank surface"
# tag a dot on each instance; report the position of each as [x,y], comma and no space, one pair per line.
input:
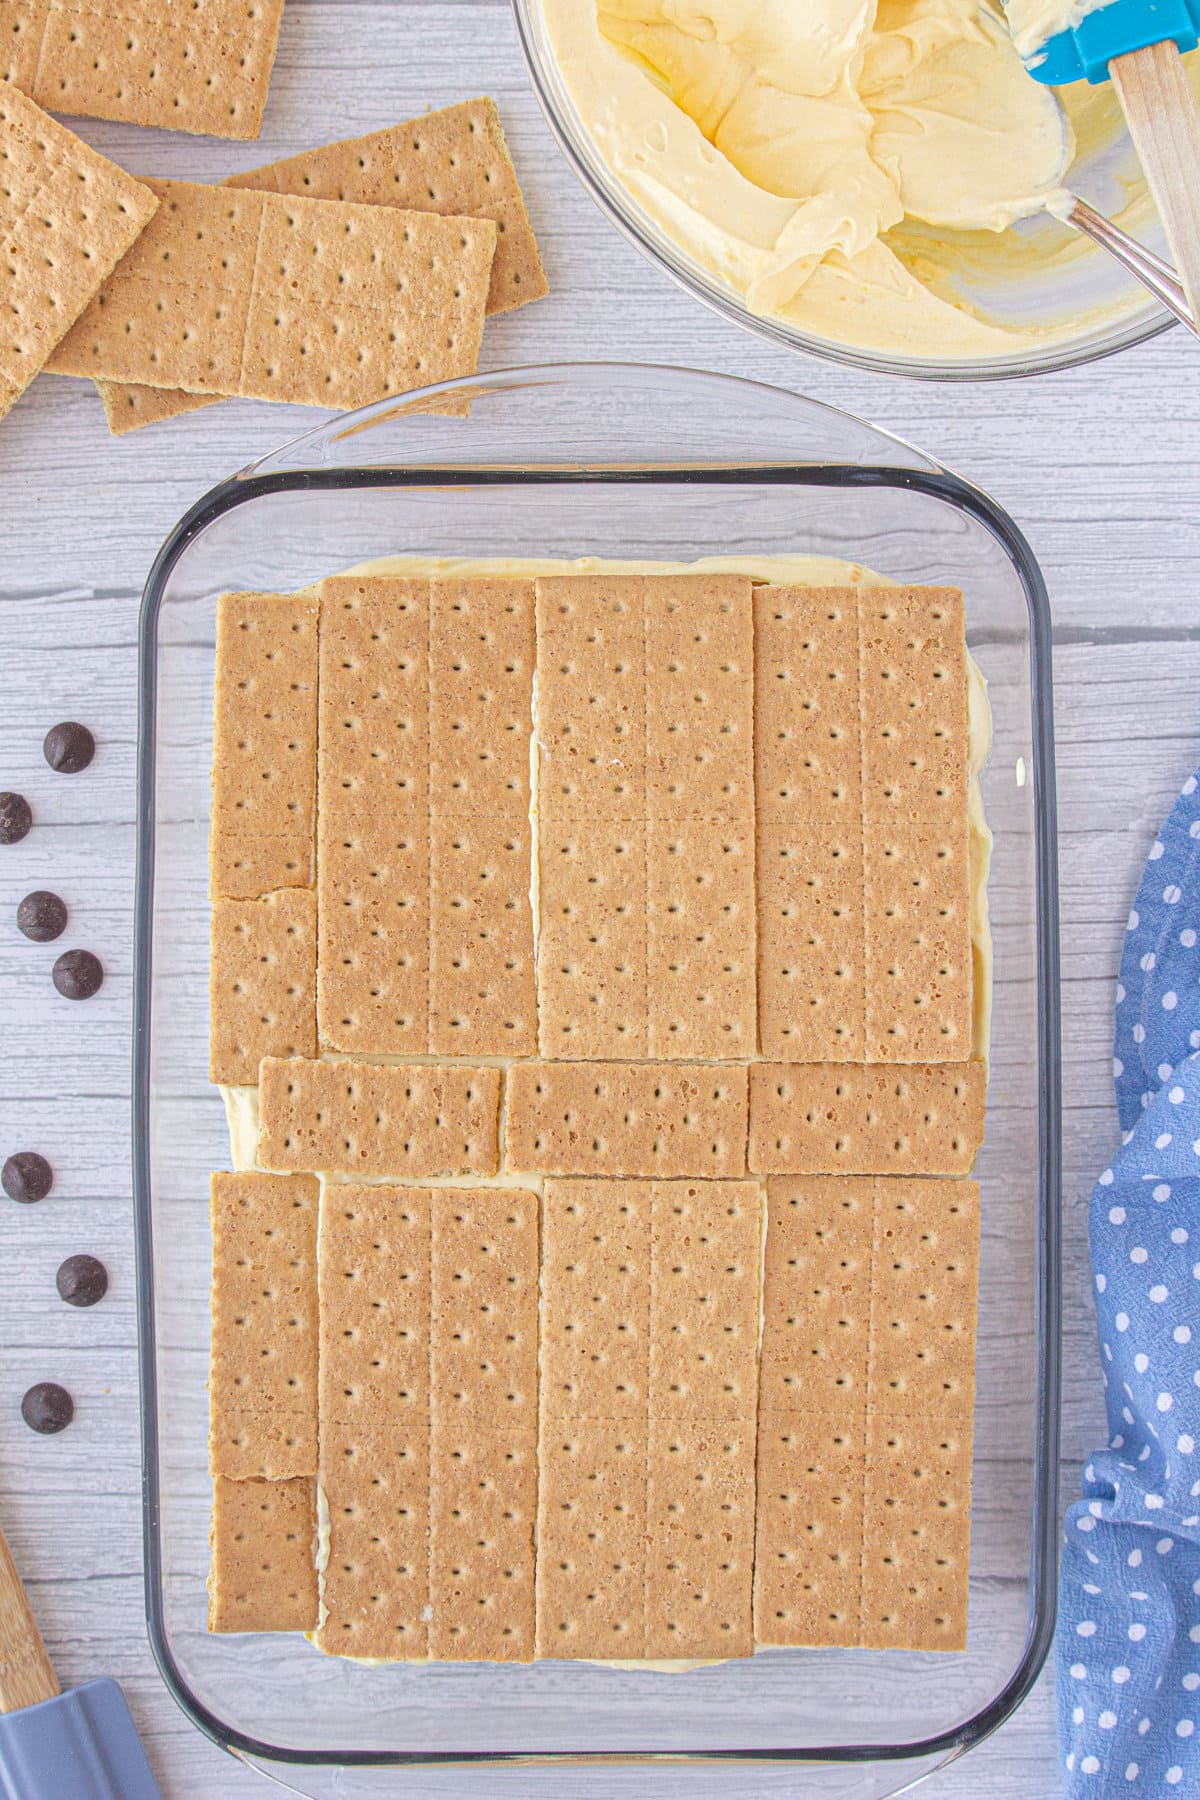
[1098,466]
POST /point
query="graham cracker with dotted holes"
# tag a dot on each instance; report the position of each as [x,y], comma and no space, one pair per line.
[429,1332]
[649,1354]
[645,792]
[454,161]
[264,762]
[827,1118]
[262,982]
[357,1118]
[630,1119]
[204,67]
[263,1574]
[281,298]
[860,731]
[262,1384]
[67,217]
[865,1412]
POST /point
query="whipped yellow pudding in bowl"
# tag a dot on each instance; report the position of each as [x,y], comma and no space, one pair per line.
[865,179]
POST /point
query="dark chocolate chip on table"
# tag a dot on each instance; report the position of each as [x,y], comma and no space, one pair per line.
[69,747]
[42,916]
[16,816]
[47,1407]
[82,1280]
[78,974]
[26,1176]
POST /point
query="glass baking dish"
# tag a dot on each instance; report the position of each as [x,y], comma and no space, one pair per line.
[612,461]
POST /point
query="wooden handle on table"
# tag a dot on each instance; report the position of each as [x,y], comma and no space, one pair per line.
[26,1673]
[1164,123]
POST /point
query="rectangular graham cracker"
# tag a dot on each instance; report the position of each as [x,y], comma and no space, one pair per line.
[646,854]
[454,161]
[67,217]
[649,1370]
[861,741]
[262,1385]
[826,1118]
[426,922]
[203,68]
[262,982]
[428,1421]
[264,744]
[378,1119]
[264,1538]
[284,298]
[866,1402]
[630,1119]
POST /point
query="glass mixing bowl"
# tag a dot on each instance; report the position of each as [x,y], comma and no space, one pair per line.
[1040,273]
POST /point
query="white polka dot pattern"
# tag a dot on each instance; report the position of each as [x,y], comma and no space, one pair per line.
[1130,1581]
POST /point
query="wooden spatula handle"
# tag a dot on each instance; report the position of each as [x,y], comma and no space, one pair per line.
[1164,123]
[26,1674]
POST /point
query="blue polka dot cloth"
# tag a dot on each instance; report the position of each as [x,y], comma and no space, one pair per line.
[1128,1642]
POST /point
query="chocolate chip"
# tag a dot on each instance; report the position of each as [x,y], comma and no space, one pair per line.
[78,974]
[42,916]
[47,1408]
[82,1280]
[69,747]
[16,817]
[26,1176]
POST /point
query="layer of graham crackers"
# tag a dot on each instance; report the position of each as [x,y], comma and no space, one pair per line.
[204,67]
[454,161]
[67,217]
[281,297]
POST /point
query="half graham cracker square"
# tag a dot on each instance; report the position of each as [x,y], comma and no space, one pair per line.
[264,1542]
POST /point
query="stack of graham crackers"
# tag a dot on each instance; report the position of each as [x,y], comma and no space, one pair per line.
[603,1261]
[333,278]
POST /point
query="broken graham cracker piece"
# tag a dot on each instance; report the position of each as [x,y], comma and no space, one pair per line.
[262,982]
[630,1119]
[202,68]
[263,1368]
[264,744]
[285,298]
[884,1119]
[646,816]
[378,1119]
[429,1364]
[649,1352]
[454,161]
[67,217]
[861,757]
[263,1574]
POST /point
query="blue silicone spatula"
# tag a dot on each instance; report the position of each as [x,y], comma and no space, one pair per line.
[81,1745]
[1138,46]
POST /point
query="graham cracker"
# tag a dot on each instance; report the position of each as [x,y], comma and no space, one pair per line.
[626,1119]
[481,978]
[370,1119]
[808,1555]
[917,1536]
[375,1589]
[699,1538]
[861,742]
[824,1117]
[649,1370]
[263,1537]
[262,1383]
[67,217]
[375,1284]
[596,1274]
[264,744]
[484,1310]
[646,872]
[284,298]
[481,659]
[481,1577]
[923,1311]
[204,68]
[817,1295]
[262,982]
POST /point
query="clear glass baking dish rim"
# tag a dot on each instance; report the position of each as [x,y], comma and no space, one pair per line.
[311,461]
[622,209]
